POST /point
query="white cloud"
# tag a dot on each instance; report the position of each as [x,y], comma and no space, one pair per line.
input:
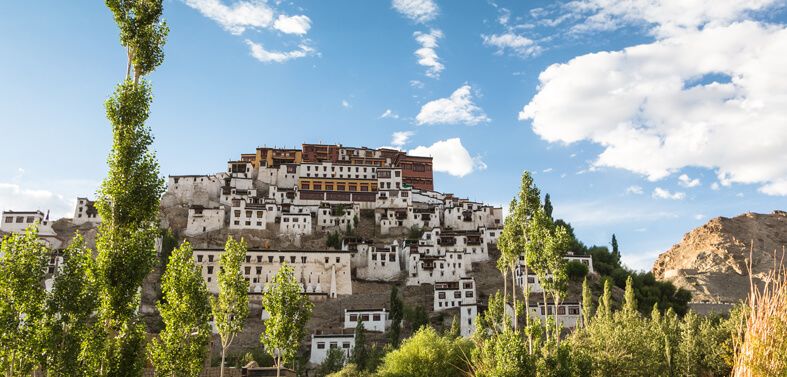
[427,56]
[655,110]
[664,18]
[740,195]
[235,18]
[417,84]
[547,170]
[401,138]
[15,198]
[715,186]
[634,190]
[345,103]
[699,217]
[459,108]
[685,181]
[660,193]
[520,45]
[389,114]
[419,11]
[293,25]
[450,157]
[265,56]
[505,16]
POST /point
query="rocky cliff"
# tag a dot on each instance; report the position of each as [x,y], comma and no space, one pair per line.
[713,261]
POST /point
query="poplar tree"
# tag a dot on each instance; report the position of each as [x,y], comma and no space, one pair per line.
[397,313]
[289,311]
[21,302]
[69,318]
[181,351]
[128,199]
[359,354]
[232,306]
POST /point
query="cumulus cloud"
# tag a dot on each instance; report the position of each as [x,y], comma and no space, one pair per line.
[450,157]
[293,25]
[663,18]
[520,45]
[265,56]
[235,18]
[634,190]
[685,181]
[660,193]
[389,114]
[401,138]
[459,108]
[713,99]
[14,197]
[419,11]
[427,56]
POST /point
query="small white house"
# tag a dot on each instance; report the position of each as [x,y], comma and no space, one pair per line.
[322,343]
[568,313]
[373,319]
[202,220]
[454,294]
[85,212]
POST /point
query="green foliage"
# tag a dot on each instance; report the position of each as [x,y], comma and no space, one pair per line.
[427,353]
[262,358]
[349,231]
[397,314]
[334,240]
[169,241]
[355,221]
[289,311]
[548,207]
[577,270]
[21,302]
[615,251]
[69,316]
[455,330]
[415,232]
[232,306]
[359,353]
[340,210]
[128,199]
[180,351]
[351,370]
[417,316]
[334,360]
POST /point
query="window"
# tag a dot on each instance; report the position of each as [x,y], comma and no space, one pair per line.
[326,259]
[248,259]
[210,258]
[210,270]
[376,317]
[20,219]
[469,294]
[290,168]
[441,295]
[561,310]
[259,270]
[281,259]
[353,317]
[304,186]
[365,317]
[340,187]
[199,258]
[573,310]
[346,345]
[270,259]
[531,280]
[303,259]
[457,294]
[353,187]
[247,270]
[467,285]
[320,345]
[318,186]
[9,219]
[398,173]
[292,259]
[334,344]
[337,259]
[259,214]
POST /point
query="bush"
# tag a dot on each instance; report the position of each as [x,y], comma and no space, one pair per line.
[334,362]
[334,240]
[427,354]
[576,270]
[415,232]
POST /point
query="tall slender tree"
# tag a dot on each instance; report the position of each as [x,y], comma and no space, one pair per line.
[185,310]
[232,306]
[397,313]
[548,206]
[288,312]
[615,251]
[129,196]
[22,296]
[359,354]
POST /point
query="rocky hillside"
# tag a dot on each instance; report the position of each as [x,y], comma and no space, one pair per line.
[713,260]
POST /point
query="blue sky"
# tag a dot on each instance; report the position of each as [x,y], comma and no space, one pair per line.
[639,118]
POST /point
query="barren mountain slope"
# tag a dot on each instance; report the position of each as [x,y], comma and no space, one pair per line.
[712,260]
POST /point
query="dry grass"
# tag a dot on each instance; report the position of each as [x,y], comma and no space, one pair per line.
[763,349]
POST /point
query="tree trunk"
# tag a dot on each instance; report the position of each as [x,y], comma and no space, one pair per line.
[223,349]
[513,292]
[278,365]
[526,288]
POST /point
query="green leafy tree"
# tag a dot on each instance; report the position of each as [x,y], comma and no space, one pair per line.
[351,370]
[548,206]
[334,360]
[359,354]
[615,251]
[129,196]
[577,270]
[69,317]
[22,297]
[232,306]
[397,314]
[455,330]
[427,353]
[417,316]
[514,238]
[185,310]
[415,232]
[289,311]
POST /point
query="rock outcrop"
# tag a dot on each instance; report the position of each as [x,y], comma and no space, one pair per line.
[719,260]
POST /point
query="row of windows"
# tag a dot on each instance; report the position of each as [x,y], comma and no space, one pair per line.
[561,310]
[339,186]
[20,219]
[321,345]
[457,294]
[281,259]
[333,168]
[364,317]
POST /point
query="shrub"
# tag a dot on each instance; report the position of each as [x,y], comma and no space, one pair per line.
[577,270]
